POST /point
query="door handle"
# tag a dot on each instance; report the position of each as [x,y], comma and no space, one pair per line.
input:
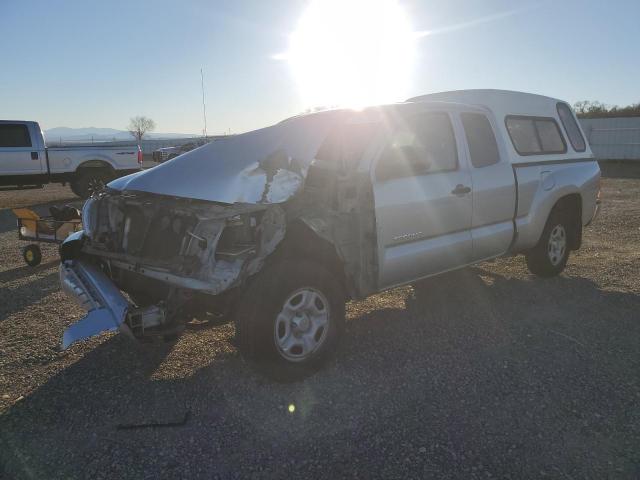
[461,190]
[34,156]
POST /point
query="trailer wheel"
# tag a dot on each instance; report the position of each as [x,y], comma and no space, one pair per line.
[32,255]
[89,181]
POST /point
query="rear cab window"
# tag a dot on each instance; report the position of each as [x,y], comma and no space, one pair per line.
[481,140]
[14,135]
[571,127]
[535,135]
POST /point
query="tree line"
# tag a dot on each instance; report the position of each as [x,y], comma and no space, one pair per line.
[589,109]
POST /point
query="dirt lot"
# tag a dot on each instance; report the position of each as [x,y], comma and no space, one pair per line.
[484,373]
[24,198]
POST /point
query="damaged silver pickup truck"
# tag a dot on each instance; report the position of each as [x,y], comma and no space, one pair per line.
[279,227]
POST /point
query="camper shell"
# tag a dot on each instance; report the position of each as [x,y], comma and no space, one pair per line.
[504,104]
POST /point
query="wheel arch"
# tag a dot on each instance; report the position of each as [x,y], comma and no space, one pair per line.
[570,205]
[301,241]
[95,163]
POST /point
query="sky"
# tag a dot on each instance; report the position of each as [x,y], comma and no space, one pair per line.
[83,63]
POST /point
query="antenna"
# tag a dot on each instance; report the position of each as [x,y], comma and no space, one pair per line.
[204,107]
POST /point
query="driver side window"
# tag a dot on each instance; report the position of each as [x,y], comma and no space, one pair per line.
[419,145]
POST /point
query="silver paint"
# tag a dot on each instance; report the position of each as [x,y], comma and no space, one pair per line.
[264,166]
[106,307]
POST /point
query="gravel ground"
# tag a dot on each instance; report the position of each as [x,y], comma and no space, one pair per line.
[485,373]
[49,193]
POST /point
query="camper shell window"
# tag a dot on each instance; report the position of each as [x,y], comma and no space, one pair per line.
[535,135]
[571,127]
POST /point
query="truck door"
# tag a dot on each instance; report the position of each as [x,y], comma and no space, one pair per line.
[494,188]
[19,154]
[422,200]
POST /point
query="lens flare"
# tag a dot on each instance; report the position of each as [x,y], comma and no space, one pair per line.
[352,53]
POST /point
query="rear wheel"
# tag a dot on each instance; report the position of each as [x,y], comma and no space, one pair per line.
[89,181]
[290,319]
[549,257]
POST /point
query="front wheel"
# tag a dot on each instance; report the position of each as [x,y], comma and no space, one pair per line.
[290,319]
[549,257]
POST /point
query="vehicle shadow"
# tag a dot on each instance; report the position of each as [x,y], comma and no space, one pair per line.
[25,271]
[16,299]
[453,360]
[7,220]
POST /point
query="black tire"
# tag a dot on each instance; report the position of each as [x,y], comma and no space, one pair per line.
[32,255]
[256,318]
[545,260]
[89,181]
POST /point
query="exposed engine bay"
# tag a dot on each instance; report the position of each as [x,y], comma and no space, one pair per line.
[190,244]
[161,249]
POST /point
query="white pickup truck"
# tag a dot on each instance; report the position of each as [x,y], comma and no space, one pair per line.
[280,226]
[26,162]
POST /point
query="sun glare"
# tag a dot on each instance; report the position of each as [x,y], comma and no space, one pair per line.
[352,53]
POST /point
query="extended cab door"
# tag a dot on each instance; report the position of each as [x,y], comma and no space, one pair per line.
[422,192]
[494,188]
[20,152]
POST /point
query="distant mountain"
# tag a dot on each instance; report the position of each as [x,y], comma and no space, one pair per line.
[66,134]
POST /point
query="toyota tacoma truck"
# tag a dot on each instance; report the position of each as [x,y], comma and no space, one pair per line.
[279,227]
[26,162]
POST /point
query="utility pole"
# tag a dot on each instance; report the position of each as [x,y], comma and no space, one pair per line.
[204,107]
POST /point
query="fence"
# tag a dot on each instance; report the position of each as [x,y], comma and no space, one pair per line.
[147,145]
[613,138]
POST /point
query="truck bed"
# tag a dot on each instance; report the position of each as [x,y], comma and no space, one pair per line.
[541,184]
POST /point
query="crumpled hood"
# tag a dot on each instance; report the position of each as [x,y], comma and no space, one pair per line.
[263,166]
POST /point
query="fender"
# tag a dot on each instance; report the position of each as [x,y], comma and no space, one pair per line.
[552,183]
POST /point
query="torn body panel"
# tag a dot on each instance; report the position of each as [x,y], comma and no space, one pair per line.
[337,205]
[347,222]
